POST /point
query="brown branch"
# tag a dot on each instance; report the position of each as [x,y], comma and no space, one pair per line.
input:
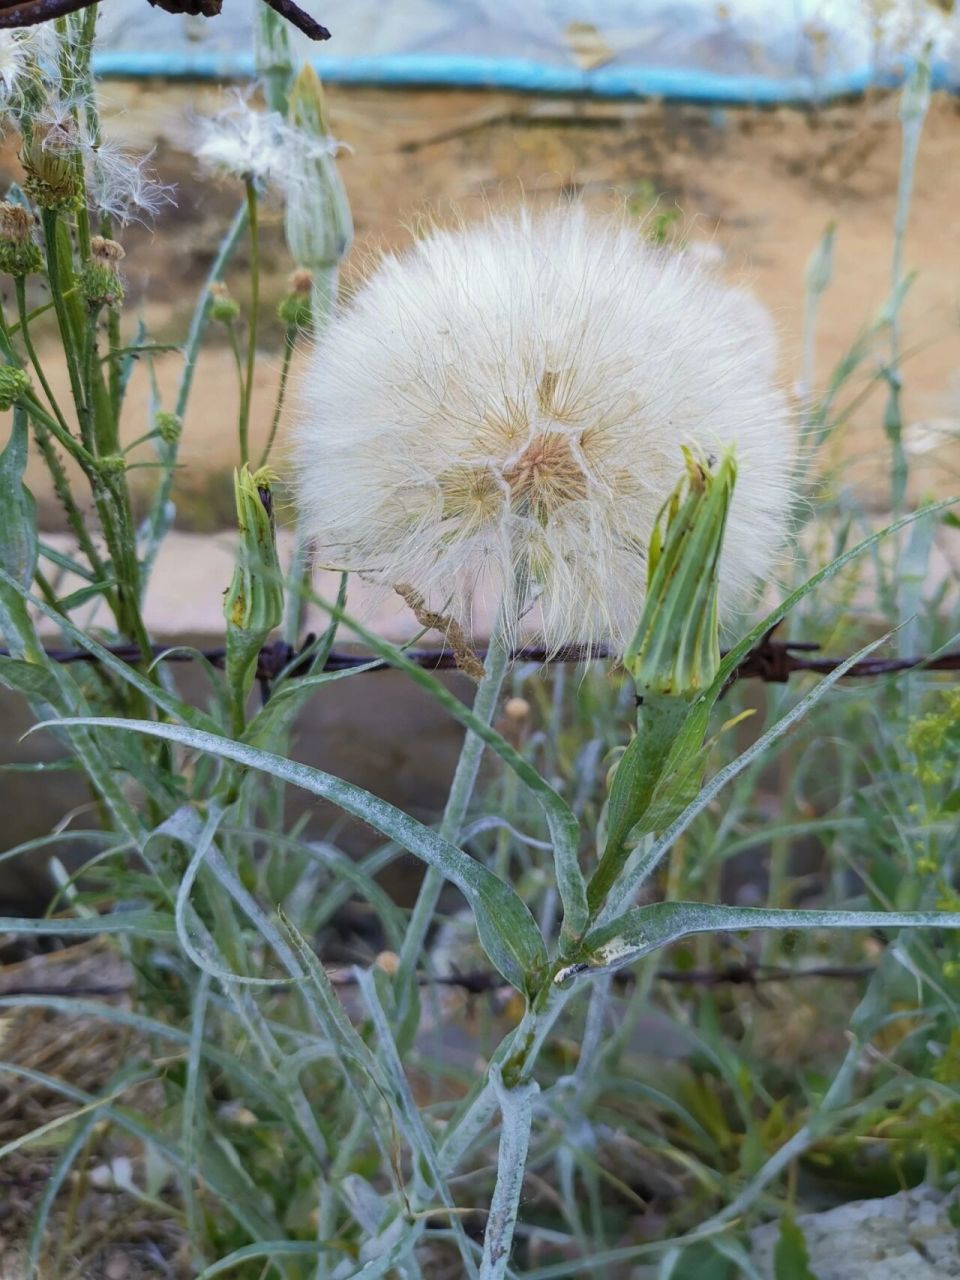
[297,18]
[29,13]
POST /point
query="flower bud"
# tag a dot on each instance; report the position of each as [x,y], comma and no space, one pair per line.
[111,464]
[13,383]
[54,179]
[222,306]
[319,227]
[295,309]
[676,649]
[100,282]
[19,253]
[253,603]
[168,427]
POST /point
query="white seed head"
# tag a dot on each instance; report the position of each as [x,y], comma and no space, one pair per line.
[507,403]
[29,57]
[14,61]
[120,184]
[242,142]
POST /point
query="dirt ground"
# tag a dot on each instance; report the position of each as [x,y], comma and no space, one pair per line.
[754,191]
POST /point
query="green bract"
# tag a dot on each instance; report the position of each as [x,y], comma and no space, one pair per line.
[253,604]
[676,649]
[319,226]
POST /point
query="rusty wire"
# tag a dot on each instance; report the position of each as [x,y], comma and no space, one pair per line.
[483,981]
[772,661]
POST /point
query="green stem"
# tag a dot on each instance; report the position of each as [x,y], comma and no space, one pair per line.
[458,801]
[45,426]
[288,349]
[201,314]
[252,218]
[21,291]
[57,274]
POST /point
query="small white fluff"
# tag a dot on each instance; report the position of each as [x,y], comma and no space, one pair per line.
[242,142]
[507,402]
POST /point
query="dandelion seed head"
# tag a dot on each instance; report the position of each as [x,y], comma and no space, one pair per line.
[259,146]
[119,183]
[506,403]
[14,61]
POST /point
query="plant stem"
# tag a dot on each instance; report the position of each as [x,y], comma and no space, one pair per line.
[913,111]
[246,398]
[458,801]
[288,349]
[69,337]
[516,1111]
[21,292]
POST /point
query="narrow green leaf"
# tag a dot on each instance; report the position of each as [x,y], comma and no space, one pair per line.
[791,1261]
[268,1249]
[166,702]
[18,511]
[561,820]
[677,822]
[219,1175]
[148,924]
[84,594]
[646,929]
[28,678]
[507,929]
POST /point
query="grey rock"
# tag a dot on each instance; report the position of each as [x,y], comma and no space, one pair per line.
[908,1236]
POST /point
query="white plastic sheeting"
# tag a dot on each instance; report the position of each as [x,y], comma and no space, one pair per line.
[735,49]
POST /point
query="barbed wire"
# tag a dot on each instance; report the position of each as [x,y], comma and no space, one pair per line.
[487,981]
[771,661]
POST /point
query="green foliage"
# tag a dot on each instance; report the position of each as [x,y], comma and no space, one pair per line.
[791,1261]
[310,1121]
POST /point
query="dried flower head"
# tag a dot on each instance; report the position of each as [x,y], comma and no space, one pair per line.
[101,282]
[507,403]
[106,250]
[19,253]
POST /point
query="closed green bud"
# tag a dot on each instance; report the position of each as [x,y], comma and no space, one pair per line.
[319,226]
[676,649]
[223,307]
[168,426]
[13,383]
[253,603]
[295,309]
[673,658]
[111,464]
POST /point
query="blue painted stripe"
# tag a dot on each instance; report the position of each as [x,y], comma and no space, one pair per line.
[521,75]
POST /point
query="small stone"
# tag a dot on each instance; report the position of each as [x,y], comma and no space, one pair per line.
[117,1266]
